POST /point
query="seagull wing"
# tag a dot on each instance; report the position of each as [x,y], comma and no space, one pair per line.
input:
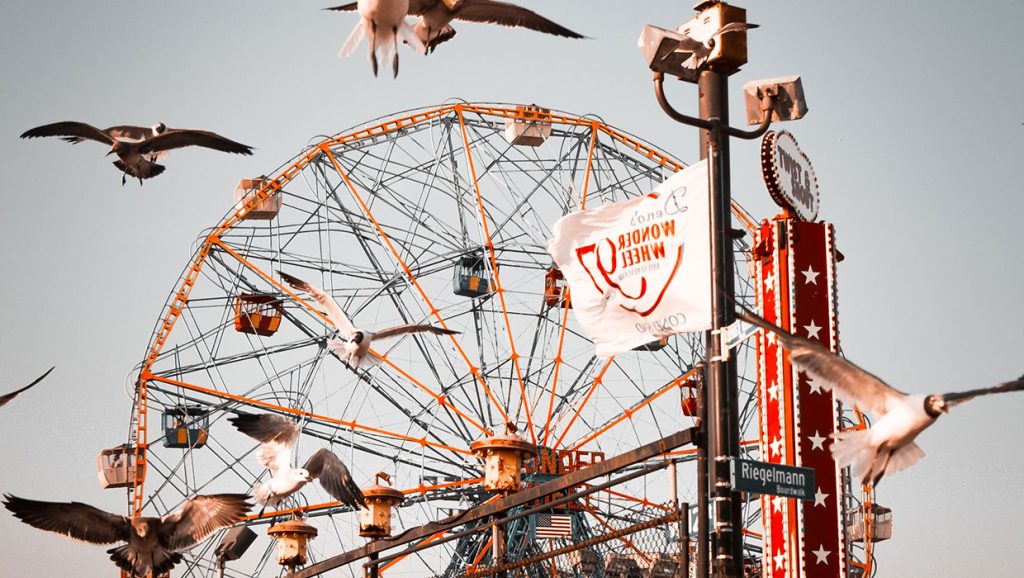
[345,7]
[69,129]
[74,520]
[505,14]
[180,138]
[334,477]
[956,398]
[334,313]
[406,329]
[131,133]
[419,7]
[734,27]
[276,433]
[200,517]
[6,398]
[851,383]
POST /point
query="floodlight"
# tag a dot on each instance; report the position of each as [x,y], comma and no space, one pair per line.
[235,543]
[786,94]
[661,50]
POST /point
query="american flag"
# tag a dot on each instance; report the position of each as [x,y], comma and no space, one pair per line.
[554,526]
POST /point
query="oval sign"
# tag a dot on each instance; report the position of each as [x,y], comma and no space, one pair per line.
[789,175]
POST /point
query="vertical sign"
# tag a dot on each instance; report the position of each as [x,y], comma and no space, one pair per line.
[796,290]
[812,267]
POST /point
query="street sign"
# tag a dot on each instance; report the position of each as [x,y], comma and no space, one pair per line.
[775,479]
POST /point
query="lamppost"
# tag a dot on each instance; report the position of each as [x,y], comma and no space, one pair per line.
[706,50]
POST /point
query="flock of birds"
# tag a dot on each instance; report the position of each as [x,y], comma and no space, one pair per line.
[382,21]
[153,545]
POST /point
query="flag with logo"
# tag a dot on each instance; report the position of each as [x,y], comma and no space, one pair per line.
[640,270]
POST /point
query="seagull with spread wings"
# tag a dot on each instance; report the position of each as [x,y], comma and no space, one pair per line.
[700,48]
[136,155]
[154,545]
[384,22]
[6,398]
[434,26]
[277,436]
[354,346]
[888,445]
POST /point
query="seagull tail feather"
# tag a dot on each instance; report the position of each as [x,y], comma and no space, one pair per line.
[409,36]
[261,492]
[354,38]
[854,448]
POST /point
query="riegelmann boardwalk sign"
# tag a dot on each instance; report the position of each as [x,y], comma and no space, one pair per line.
[775,479]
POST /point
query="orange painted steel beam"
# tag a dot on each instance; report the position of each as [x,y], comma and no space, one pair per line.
[565,310]
[497,278]
[440,399]
[628,413]
[558,366]
[412,278]
[690,452]
[586,398]
[421,489]
[643,501]
[425,541]
[350,425]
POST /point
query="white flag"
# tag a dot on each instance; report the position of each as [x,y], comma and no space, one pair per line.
[640,270]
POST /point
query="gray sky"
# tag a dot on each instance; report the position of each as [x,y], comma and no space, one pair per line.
[915,131]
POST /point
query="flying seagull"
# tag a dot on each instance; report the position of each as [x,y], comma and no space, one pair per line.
[153,546]
[136,157]
[384,22]
[888,445]
[433,27]
[354,346]
[700,49]
[277,436]
[6,398]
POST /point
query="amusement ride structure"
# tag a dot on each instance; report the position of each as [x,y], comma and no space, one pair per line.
[442,216]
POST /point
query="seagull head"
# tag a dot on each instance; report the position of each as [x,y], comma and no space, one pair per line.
[159,128]
[141,526]
[118,147]
[303,474]
[935,405]
[357,337]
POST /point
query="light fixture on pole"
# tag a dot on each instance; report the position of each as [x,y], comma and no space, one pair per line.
[234,543]
[706,50]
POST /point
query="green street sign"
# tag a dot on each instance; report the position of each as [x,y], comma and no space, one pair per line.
[775,479]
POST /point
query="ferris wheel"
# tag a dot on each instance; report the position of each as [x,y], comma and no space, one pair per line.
[438,216]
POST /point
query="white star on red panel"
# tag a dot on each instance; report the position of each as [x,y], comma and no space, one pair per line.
[776,447]
[819,498]
[821,554]
[813,383]
[810,276]
[780,560]
[817,441]
[773,392]
[777,503]
[769,284]
[812,330]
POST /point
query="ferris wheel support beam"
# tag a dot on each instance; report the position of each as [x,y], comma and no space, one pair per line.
[497,278]
[412,278]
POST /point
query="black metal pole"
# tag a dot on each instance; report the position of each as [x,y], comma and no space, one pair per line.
[703,540]
[723,426]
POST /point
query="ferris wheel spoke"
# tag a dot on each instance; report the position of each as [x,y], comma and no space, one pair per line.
[497,282]
[628,413]
[412,278]
[579,408]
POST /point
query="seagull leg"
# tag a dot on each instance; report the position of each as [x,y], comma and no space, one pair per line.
[373,46]
[394,59]
[124,178]
[881,470]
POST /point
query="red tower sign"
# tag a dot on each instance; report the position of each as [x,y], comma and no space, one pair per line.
[796,289]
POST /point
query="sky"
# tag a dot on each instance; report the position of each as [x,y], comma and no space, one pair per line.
[915,131]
